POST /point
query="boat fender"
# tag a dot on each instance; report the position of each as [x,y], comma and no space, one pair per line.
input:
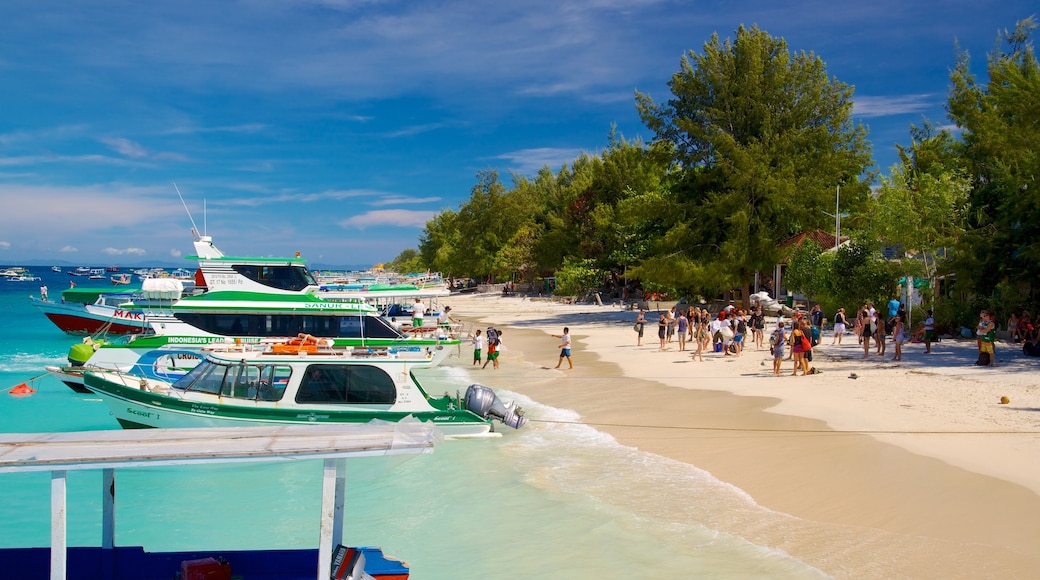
[22,389]
[483,401]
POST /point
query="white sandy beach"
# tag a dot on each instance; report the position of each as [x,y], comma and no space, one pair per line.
[914,469]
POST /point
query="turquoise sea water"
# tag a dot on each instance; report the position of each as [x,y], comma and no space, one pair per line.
[549,501]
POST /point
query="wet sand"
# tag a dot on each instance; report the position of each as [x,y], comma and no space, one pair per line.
[864,504]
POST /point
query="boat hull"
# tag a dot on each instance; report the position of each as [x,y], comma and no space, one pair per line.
[135,408]
[88,319]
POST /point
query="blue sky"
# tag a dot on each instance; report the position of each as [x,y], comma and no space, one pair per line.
[336,128]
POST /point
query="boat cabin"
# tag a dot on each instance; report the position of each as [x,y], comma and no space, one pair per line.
[321,383]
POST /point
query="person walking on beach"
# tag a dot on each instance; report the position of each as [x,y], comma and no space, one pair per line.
[662,327]
[494,339]
[880,332]
[700,332]
[640,325]
[839,326]
[777,340]
[682,327]
[898,336]
[865,322]
[799,341]
[758,326]
[565,347]
[478,346]
[816,315]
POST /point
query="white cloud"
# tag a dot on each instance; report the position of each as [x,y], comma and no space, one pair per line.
[330,195]
[403,200]
[192,130]
[68,249]
[531,161]
[5,245]
[125,147]
[389,217]
[175,253]
[897,105]
[124,251]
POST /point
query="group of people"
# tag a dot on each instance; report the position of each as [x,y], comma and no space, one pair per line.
[493,338]
[873,327]
[727,332]
[1022,328]
[802,336]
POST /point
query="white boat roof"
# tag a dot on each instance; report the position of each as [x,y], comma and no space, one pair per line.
[80,450]
[157,288]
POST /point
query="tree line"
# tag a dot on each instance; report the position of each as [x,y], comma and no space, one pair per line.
[751,148]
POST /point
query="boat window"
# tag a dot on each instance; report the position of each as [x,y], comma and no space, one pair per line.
[349,327]
[210,380]
[193,375]
[282,277]
[346,384]
[321,325]
[273,380]
[242,382]
[379,327]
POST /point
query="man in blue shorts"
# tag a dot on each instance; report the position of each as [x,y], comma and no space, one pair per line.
[565,347]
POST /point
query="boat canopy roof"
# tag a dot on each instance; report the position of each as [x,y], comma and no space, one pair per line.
[162,288]
[90,295]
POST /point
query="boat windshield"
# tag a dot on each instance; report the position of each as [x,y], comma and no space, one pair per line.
[256,382]
[282,277]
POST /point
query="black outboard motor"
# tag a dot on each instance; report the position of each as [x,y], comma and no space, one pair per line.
[484,402]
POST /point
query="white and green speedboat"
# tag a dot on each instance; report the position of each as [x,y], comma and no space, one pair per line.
[254,300]
[300,383]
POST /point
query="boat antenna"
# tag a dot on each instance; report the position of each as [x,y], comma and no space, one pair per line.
[194,229]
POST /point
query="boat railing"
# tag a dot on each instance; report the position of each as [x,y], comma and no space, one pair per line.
[60,453]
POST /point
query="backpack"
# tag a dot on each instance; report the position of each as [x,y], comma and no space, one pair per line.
[774,338]
[492,337]
[741,327]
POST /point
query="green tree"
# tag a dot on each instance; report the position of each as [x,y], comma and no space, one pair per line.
[920,205]
[859,274]
[407,261]
[1000,123]
[577,277]
[763,137]
[807,270]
